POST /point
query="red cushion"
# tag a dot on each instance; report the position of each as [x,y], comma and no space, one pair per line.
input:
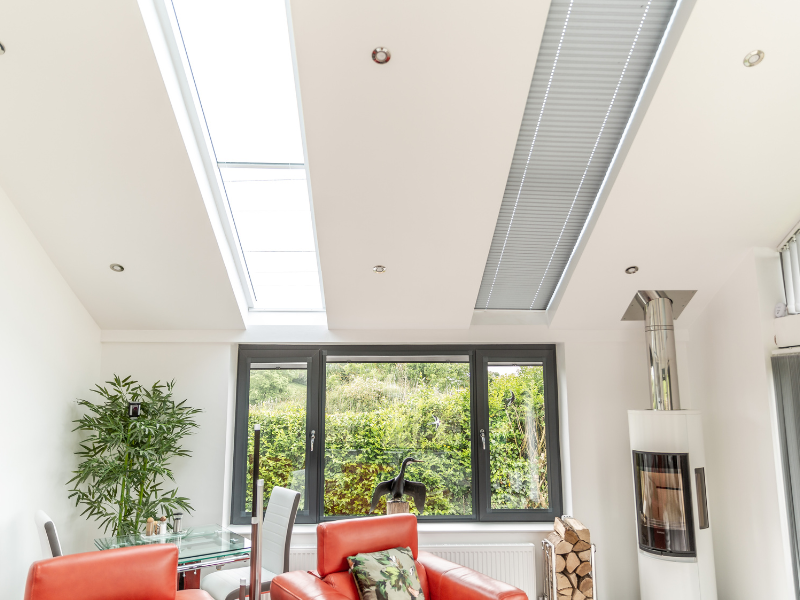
[449,581]
[135,573]
[422,574]
[193,595]
[336,540]
[343,583]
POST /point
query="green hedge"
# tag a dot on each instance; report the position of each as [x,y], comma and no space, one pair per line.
[376,415]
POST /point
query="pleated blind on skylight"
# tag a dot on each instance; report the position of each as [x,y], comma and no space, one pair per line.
[593,61]
[240,61]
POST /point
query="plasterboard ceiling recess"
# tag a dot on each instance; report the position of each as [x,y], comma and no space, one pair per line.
[592,64]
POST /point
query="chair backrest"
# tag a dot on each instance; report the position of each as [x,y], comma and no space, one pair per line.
[277,533]
[135,573]
[336,540]
[48,536]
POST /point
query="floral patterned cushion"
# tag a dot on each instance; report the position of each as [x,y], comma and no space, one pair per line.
[386,575]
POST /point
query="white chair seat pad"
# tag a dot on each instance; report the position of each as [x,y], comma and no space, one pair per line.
[224,585]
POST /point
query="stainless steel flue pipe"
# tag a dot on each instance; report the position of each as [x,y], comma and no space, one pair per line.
[662,365]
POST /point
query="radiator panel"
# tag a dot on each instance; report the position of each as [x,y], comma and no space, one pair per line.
[511,563]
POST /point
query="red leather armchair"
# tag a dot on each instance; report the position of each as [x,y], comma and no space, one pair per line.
[440,579]
[135,573]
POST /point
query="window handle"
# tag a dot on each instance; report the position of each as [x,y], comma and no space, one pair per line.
[483,438]
[313,437]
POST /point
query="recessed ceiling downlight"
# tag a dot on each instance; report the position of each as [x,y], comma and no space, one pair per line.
[116,268]
[753,58]
[631,270]
[381,55]
[379,269]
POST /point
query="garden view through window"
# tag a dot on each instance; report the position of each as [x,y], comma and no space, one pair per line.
[379,413]
[334,426]
[278,397]
[518,459]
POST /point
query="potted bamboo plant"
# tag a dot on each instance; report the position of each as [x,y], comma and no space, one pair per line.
[133,432]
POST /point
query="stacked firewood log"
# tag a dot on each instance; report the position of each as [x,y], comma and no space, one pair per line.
[573,565]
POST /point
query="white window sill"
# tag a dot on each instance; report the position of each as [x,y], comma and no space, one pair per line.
[311,528]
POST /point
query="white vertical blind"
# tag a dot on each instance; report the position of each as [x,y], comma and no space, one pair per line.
[788,277]
[593,60]
[786,377]
[795,273]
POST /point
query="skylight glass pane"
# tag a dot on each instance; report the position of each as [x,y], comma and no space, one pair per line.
[272,213]
[240,62]
[242,66]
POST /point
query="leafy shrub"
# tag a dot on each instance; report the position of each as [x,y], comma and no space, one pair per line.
[377,414]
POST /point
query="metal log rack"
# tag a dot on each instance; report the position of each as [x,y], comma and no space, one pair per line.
[550,589]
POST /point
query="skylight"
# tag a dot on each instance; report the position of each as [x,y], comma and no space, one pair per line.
[592,64]
[241,65]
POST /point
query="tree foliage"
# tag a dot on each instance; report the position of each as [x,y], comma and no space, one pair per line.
[125,461]
[376,414]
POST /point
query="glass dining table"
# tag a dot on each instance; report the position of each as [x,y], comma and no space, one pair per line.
[198,547]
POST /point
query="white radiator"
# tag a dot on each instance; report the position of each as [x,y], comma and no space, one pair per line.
[512,563]
[303,558]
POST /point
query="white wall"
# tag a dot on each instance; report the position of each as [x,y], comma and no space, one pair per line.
[731,382]
[203,376]
[49,355]
[604,377]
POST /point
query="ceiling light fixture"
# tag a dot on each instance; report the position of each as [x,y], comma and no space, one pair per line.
[381,55]
[631,270]
[379,269]
[116,268]
[753,58]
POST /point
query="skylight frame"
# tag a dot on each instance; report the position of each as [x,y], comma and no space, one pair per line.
[170,26]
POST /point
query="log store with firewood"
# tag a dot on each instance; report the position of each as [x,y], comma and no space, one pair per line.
[568,561]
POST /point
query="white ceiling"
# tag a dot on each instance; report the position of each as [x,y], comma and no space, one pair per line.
[408,160]
[92,156]
[711,173]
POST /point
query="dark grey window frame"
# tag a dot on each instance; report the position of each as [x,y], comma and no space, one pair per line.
[479,356]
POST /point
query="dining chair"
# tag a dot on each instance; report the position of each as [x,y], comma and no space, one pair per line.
[48,536]
[276,539]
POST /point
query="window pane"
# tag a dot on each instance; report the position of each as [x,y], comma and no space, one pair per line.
[242,66]
[272,213]
[518,453]
[278,397]
[377,414]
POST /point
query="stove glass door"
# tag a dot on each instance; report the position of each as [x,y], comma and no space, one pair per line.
[664,503]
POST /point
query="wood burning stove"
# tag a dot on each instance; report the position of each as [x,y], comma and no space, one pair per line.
[676,557]
[664,503]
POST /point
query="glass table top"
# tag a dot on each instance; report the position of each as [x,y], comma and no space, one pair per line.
[208,542]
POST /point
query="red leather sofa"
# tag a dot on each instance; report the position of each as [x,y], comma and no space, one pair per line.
[440,579]
[135,573]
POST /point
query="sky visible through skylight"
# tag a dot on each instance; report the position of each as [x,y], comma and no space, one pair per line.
[241,65]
